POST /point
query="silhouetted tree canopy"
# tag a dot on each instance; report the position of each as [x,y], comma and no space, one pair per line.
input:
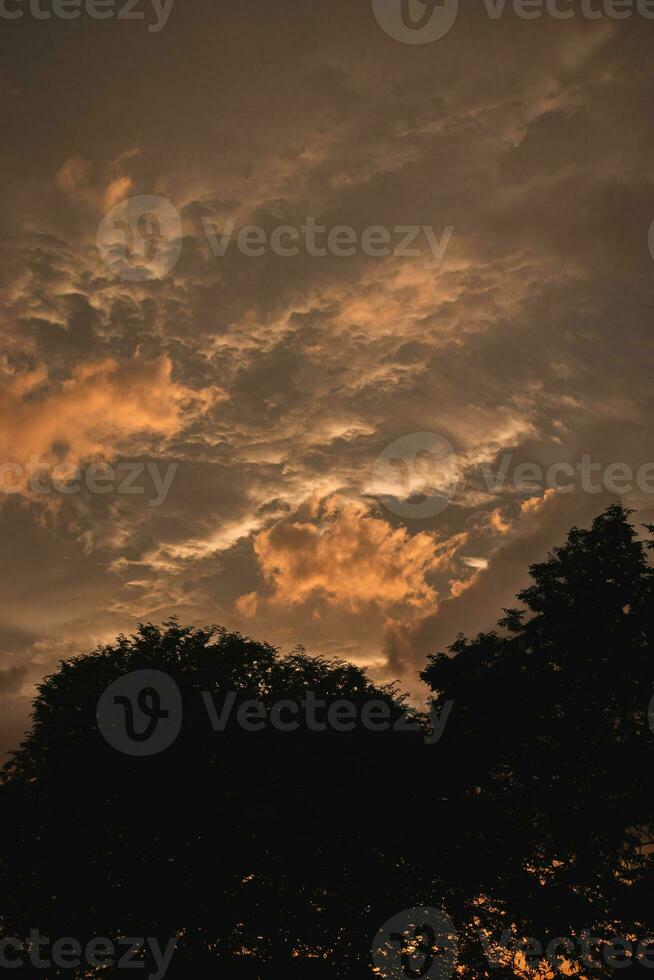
[251,847]
[280,854]
[553,748]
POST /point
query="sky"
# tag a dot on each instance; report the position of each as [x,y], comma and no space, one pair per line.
[326,442]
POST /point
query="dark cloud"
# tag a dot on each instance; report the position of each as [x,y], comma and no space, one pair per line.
[288,376]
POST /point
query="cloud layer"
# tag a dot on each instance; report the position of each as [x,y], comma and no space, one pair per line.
[275,382]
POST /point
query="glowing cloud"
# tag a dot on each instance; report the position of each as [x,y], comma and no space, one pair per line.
[100,405]
[350,558]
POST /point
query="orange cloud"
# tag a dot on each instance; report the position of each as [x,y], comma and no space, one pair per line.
[497,522]
[246,605]
[533,504]
[103,403]
[74,179]
[458,586]
[350,558]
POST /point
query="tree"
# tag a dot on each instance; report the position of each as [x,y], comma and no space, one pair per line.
[553,749]
[265,853]
[280,853]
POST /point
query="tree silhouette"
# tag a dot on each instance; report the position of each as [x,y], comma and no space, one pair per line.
[265,853]
[275,853]
[553,750]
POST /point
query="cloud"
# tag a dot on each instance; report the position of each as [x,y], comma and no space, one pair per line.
[533,338]
[351,558]
[12,678]
[74,179]
[479,604]
[497,521]
[246,605]
[93,412]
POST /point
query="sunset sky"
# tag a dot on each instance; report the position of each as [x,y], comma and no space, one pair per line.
[275,382]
